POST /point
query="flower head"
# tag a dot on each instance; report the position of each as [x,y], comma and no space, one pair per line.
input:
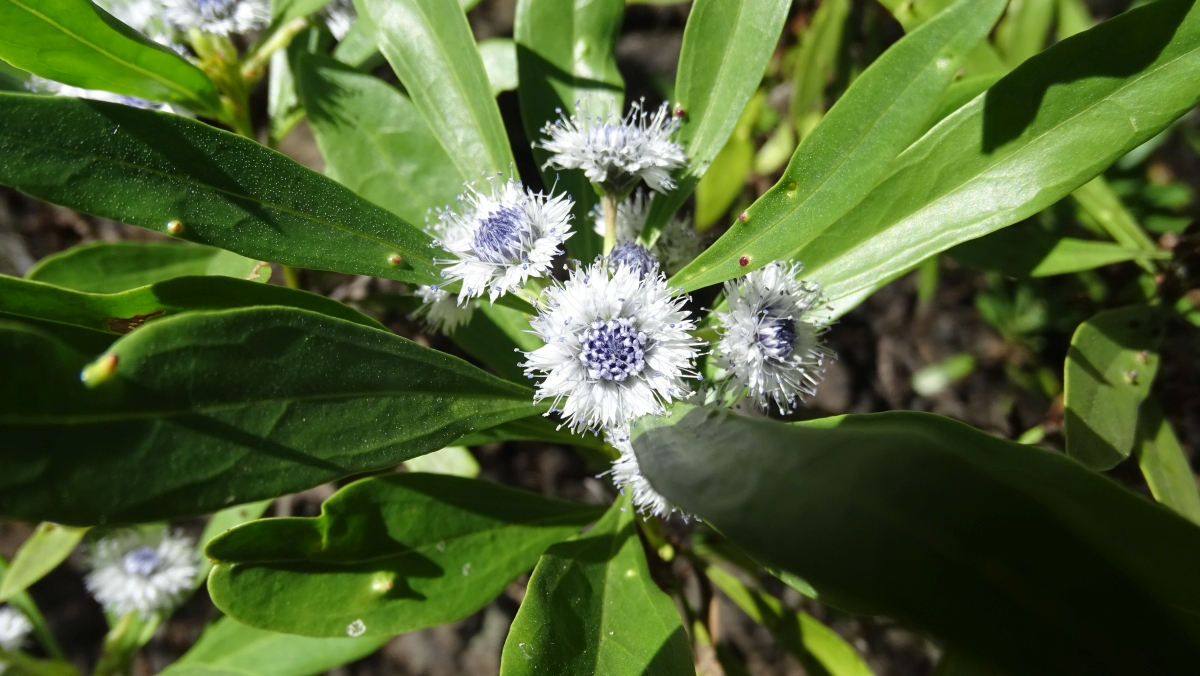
[218,17]
[14,629]
[635,257]
[617,347]
[503,237]
[677,243]
[615,152]
[441,310]
[771,336]
[144,571]
[340,15]
[627,474]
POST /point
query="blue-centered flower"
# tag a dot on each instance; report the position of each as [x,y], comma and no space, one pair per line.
[676,245]
[147,571]
[502,237]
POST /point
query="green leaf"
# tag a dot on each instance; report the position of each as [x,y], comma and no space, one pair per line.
[1039,133]
[228,648]
[77,43]
[24,665]
[726,176]
[1028,250]
[112,267]
[1164,464]
[167,172]
[430,46]
[540,428]
[113,315]
[1023,31]
[497,336]
[452,460]
[1017,554]
[592,607]
[49,546]
[849,151]
[565,63]
[196,412]
[222,521]
[1101,203]
[818,648]
[388,555]
[358,49]
[500,61]
[1110,367]
[816,61]
[374,140]
[284,10]
[726,47]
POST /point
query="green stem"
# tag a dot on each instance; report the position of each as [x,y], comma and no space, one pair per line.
[610,222]
[291,277]
[256,64]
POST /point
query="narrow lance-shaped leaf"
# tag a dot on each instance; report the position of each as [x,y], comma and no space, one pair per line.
[182,177]
[387,555]
[592,607]
[819,48]
[1110,367]
[565,62]
[49,545]
[374,140]
[1033,137]
[430,46]
[848,152]
[112,267]
[229,647]
[726,47]
[1067,557]
[1027,250]
[1164,464]
[77,43]
[193,413]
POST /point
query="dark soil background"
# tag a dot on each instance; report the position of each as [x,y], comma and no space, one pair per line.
[879,346]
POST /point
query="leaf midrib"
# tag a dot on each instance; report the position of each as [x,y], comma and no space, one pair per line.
[136,68]
[236,196]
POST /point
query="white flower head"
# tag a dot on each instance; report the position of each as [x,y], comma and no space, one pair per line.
[615,152]
[14,629]
[340,15]
[441,311]
[617,347]
[771,336]
[144,571]
[502,237]
[627,475]
[40,85]
[143,16]
[217,17]
[677,243]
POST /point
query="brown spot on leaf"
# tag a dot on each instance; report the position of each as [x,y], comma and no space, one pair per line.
[123,326]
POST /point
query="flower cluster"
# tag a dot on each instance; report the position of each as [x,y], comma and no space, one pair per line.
[217,17]
[618,342]
[143,571]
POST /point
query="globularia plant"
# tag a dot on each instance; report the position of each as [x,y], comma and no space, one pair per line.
[127,403]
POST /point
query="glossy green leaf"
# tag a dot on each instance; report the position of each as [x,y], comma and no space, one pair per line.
[192,413]
[1039,133]
[815,62]
[1164,464]
[1110,367]
[726,176]
[1027,250]
[817,647]
[222,521]
[498,336]
[374,140]
[49,545]
[357,49]
[565,63]
[726,47]
[228,648]
[452,460]
[1023,31]
[154,169]
[112,267]
[849,151]
[1017,554]
[539,428]
[961,93]
[1101,203]
[387,555]
[592,607]
[77,43]
[500,61]
[982,60]
[119,313]
[431,49]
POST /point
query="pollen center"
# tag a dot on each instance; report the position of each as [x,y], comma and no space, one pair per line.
[612,350]
[142,561]
[499,237]
[635,257]
[777,336]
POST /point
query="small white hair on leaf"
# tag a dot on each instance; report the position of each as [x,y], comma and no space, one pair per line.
[147,571]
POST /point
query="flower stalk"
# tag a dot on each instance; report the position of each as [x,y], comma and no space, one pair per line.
[609,203]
